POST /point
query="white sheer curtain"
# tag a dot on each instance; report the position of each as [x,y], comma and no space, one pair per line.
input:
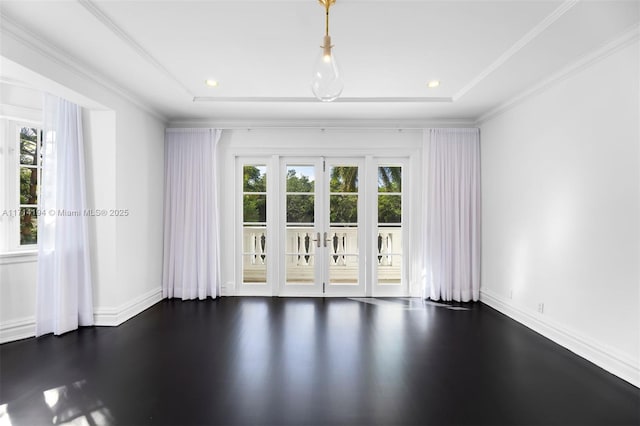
[64,294]
[452,214]
[191,247]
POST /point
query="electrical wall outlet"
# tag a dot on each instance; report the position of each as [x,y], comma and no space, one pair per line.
[510,293]
[541,307]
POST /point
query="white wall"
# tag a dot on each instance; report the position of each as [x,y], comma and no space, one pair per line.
[125,165]
[100,157]
[561,212]
[17,297]
[140,190]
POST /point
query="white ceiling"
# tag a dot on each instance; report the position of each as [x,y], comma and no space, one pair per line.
[262,52]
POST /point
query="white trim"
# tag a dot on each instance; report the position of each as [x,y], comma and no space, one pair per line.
[309,99]
[108,22]
[17,329]
[105,316]
[519,45]
[228,289]
[371,124]
[629,36]
[598,353]
[21,114]
[13,257]
[47,50]
[24,328]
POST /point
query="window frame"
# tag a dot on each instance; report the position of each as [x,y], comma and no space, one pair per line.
[10,205]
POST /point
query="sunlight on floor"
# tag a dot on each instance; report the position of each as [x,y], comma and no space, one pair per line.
[73,405]
[5,420]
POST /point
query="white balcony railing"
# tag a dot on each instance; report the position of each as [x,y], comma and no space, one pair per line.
[300,252]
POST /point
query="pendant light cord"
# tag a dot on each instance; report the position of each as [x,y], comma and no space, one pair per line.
[327,18]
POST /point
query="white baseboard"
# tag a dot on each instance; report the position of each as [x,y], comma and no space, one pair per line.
[18,329]
[605,357]
[116,316]
[24,328]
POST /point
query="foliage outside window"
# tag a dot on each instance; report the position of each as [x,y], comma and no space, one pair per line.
[254,187]
[29,167]
[254,216]
[342,180]
[389,194]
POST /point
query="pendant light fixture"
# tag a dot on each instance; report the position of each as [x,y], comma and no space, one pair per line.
[326,83]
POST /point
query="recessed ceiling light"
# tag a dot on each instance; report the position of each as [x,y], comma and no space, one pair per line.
[433,84]
[211,83]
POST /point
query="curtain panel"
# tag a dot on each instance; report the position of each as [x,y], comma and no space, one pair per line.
[64,289]
[191,264]
[451,214]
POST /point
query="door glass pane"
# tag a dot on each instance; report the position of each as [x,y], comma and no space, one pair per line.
[342,239]
[389,208]
[300,269]
[29,146]
[254,229]
[300,208]
[344,209]
[28,185]
[343,179]
[300,246]
[342,245]
[28,226]
[390,179]
[343,270]
[300,255]
[254,179]
[300,178]
[254,208]
[389,241]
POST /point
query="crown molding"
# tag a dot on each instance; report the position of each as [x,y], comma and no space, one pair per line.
[248,124]
[112,26]
[309,99]
[19,113]
[69,62]
[628,37]
[13,82]
[517,46]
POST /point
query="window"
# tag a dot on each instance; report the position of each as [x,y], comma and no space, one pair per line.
[21,158]
[29,172]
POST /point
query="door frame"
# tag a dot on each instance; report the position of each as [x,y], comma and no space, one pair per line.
[269,144]
[389,290]
[299,289]
[346,290]
[322,286]
[272,243]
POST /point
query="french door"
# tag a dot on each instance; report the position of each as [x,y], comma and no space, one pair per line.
[322,226]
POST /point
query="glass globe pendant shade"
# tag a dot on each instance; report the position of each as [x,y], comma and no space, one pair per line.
[326,82]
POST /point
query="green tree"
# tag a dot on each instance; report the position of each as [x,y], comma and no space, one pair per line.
[29,156]
[343,207]
[254,206]
[300,208]
[389,179]
[344,179]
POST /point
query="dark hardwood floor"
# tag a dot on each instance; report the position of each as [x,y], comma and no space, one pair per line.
[271,361]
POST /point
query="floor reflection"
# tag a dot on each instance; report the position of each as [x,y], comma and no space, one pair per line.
[71,404]
[5,419]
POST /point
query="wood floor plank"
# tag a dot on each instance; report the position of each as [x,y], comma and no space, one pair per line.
[309,361]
